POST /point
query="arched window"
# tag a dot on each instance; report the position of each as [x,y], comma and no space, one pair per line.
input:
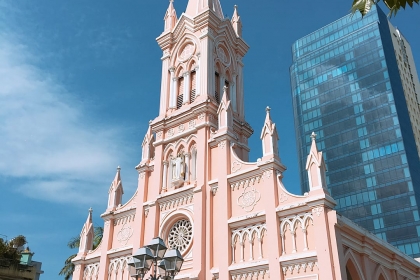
[180,95]
[351,271]
[193,86]
[217,87]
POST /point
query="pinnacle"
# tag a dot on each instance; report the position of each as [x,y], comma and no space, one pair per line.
[313,136]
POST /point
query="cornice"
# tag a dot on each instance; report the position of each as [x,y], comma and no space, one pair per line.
[354,236]
[296,208]
[252,218]
[120,252]
[182,115]
[251,170]
[165,40]
[86,261]
[182,196]
[144,167]
[248,266]
[127,215]
[207,19]
[298,257]
[271,164]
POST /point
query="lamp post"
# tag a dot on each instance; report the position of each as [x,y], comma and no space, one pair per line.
[170,261]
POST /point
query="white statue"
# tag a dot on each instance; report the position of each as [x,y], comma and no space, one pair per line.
[178,170]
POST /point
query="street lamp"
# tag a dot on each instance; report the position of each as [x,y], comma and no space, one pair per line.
[170,261]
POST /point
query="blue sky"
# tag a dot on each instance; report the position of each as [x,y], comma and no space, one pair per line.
[79,82]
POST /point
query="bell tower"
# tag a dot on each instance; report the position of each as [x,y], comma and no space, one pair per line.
[202,53]
[201,114]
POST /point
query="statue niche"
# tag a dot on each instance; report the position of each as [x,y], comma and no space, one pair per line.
[178,170]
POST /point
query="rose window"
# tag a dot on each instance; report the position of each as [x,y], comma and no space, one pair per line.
[180,235]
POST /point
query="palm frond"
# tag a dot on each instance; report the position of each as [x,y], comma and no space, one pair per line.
[74,242]
[68,268]
[364,6]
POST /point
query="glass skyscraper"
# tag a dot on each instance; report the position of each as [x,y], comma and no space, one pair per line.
[354,84]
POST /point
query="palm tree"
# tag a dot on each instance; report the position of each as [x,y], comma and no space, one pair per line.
[364,6]
[68,268]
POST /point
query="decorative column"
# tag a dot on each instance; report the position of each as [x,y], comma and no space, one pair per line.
[242,251]
[283,251]
[172,98]
[233,252]
[260,245]
[293,233]
[165,176]
[187,88]
[187,167]
[251,243]
[305,240]
[165,83]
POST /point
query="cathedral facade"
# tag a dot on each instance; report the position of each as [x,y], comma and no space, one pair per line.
[231,219]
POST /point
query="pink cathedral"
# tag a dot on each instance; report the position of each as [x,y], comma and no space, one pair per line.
[230,218]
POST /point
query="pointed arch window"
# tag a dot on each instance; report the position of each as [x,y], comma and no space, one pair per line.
[180,96]
[193,86]
[217,87]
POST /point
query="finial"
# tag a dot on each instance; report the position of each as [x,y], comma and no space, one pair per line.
[171,1]
[268,109]
[235,6]
[313,136]
[225,88]
[90,210]
[118,168]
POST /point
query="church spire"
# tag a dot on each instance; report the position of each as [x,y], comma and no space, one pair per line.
[147,146]
[115,191]
[236,22]
[225,112]
[195,7]
[269,137]
[86,235]
[170,17]
[315,166]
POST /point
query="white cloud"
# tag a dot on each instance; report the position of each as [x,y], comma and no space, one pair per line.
[46,139]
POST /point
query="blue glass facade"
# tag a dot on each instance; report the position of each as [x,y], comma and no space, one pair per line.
[346,88]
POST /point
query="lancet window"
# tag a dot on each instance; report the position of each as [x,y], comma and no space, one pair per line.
[118,269]
[180,95]
[248,243]
[217,87]
[193,86]
[91,271]
[295,235]
[180,167]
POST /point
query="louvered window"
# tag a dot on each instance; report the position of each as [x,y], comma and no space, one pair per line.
[217,85]
[193,86]
[180,97]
